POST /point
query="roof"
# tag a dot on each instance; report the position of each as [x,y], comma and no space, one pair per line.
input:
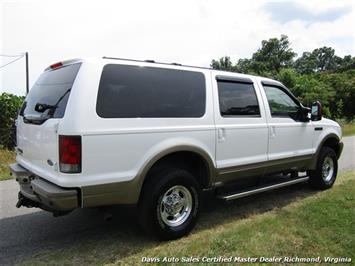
[219,72]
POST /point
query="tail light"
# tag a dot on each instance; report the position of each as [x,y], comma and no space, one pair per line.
[70,154]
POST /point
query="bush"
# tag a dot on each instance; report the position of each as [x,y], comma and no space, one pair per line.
[9,106]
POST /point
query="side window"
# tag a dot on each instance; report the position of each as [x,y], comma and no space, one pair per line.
[281,104]
[134,91]
[237,99]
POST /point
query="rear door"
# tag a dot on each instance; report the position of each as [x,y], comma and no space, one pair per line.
[242,132]
[44,107]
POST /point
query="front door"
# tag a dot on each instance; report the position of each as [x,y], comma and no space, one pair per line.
[290,140]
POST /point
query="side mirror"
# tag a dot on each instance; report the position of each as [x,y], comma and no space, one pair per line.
[304,114]
[316,111]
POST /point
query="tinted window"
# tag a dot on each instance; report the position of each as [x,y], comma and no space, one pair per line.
[237,99]
[281,104]
[52,88]
[134,91]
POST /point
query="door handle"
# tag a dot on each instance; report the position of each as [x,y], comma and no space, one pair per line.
[272,132]
[221,132]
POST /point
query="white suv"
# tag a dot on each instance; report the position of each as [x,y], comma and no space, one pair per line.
[107,131]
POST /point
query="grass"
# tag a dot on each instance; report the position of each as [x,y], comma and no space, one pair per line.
[6,157]
[348,129]
[294,221]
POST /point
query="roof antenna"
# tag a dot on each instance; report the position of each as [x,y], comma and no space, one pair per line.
[27,75]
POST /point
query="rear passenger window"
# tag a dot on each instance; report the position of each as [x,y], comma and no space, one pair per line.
[135,91]
[237,99]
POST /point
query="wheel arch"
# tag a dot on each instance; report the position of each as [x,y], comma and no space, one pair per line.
[331,140]
[184,156]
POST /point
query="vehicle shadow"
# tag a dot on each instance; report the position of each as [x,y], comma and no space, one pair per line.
[84,235]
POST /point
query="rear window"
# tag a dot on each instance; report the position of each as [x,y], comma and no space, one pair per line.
[51,89]
[135,91]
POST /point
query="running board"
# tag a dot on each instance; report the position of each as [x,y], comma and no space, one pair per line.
[244,193]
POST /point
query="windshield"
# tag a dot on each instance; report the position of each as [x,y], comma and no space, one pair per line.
[52,89]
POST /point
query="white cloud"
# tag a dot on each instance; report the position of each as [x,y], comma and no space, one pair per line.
[190,32]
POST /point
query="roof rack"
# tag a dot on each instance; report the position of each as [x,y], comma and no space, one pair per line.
[154,62]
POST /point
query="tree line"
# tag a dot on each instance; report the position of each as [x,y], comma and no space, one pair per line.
[317,75]
[9,107]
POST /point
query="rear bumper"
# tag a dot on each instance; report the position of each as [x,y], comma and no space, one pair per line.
[38,192]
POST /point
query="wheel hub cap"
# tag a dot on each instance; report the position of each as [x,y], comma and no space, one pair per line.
[175,206]
[328,169]
[173,203]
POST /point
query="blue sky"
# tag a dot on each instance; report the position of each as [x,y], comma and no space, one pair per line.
[185,31]
[287,11]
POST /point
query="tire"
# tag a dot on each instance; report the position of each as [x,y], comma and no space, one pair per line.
[324,176]
[181,193]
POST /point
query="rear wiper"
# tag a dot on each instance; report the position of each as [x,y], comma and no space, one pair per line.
[41,107]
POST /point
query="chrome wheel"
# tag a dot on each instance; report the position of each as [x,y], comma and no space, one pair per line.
[175,206]
[327,169]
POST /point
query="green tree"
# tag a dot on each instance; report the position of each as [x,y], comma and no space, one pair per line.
[306,64]
[288,77]
[224,63]
[309,89]
[317,75]
[244,66]
[347,63]
[325,59]
[322,59]
[9,107]
[273,55]
[342,105]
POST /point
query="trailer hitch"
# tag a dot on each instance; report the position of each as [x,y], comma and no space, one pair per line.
[23,201]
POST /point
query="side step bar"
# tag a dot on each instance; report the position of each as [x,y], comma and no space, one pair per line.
[244,193]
